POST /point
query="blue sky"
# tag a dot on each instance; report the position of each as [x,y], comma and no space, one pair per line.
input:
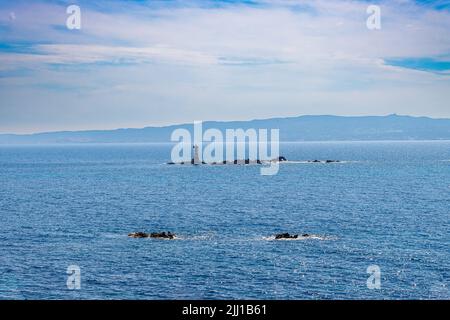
[139,63]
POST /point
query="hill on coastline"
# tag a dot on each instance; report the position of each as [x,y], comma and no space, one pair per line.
[302,128]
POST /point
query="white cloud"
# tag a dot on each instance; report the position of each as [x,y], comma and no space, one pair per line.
[323,32]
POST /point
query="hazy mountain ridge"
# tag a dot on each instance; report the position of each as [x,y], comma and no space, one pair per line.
[302,128]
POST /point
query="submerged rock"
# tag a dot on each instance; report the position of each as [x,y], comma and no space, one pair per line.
[138,235]
[323,161]
[281,236]
[285,236]
[160,235]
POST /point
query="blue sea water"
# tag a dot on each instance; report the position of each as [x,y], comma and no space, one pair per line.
[387,205]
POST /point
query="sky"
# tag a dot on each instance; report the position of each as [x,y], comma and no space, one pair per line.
[152,63]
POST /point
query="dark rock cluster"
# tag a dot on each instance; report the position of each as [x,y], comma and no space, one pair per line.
[158,235]
[243,161]
[281,236]
[285,236]
[323,161]
[169,235]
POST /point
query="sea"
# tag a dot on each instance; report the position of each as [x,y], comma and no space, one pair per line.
[378,223]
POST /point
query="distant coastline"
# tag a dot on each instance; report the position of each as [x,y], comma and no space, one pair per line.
[292,129]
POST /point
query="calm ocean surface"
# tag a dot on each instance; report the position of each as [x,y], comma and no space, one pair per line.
[388,205]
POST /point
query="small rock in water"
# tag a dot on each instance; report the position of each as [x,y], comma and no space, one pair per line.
[285,236]
[138,235]
[323,161]
[160,235]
